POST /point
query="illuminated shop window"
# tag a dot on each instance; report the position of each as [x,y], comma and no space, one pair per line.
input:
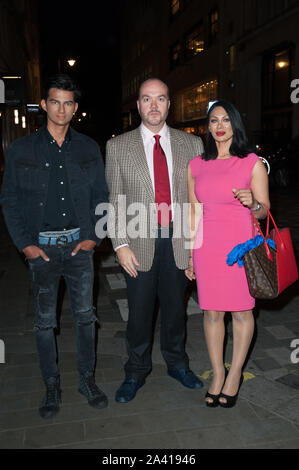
[195,41]
[278,71]
[193,103]
[213,25]
[199,129]
[190,130]
[174,6]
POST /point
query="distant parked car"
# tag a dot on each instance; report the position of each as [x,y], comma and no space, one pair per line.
[284,164]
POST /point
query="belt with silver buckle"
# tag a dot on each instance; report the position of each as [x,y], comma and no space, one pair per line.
[60,240]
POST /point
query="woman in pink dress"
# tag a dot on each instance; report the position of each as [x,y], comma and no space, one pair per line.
[230,182]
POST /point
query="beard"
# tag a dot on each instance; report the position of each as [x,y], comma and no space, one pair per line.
[153,119]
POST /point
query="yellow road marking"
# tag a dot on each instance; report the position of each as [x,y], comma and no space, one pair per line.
[208,373]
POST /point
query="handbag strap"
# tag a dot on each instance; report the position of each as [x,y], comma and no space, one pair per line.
[257,225]
[269,215]
[252,225]
[275,227]
[261,233]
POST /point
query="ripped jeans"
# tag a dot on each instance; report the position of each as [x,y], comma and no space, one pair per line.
[78,273]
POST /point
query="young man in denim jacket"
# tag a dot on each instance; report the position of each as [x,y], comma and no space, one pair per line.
[53,181]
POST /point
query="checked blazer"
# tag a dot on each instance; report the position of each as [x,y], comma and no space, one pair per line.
[129,182]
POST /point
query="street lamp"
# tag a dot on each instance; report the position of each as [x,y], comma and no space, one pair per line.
[71,62]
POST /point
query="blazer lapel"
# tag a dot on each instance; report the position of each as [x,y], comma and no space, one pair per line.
[177,150]
[137,154]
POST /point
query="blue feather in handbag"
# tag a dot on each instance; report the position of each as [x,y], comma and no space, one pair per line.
[238,252]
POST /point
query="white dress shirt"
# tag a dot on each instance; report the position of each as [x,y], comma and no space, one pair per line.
[148,144]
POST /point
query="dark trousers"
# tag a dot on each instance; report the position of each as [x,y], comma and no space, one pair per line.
[169,283]
[79,276]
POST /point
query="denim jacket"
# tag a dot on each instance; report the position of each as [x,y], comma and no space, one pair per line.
[25,185]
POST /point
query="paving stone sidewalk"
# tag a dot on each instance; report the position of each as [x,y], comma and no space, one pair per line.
[164,415]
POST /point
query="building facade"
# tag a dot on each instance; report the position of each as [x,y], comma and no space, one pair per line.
[245,51]
[19,70]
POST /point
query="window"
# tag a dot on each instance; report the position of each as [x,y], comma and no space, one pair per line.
[194,43]
[175,52]
[278,71]
[148,72]
[256,12]
[213,25]
[193,103]
[232,58]
[198,129]
[174,7]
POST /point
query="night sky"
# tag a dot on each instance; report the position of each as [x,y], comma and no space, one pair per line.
[89,32]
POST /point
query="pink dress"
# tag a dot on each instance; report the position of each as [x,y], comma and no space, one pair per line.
[225,223]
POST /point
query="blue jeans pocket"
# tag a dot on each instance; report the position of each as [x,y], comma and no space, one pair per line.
[35,261]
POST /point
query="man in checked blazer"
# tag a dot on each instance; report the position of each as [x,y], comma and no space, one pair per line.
[153,261]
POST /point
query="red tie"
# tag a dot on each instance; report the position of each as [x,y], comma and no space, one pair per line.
[162,186]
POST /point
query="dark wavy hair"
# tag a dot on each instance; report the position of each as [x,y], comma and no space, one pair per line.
[62,82]
[239,146]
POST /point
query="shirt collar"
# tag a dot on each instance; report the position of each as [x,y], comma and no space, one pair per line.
[50,139]
[147,135]
[67,138]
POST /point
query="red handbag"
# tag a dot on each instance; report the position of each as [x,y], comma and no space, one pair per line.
[287,272]
[269,271]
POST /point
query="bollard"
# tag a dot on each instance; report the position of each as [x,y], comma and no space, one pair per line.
[2,352]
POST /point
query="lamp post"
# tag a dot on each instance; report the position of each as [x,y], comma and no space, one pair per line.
[71,62]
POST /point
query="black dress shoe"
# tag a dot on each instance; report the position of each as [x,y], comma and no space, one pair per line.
[230,400]
[128,390]
[49,406]
[186,377]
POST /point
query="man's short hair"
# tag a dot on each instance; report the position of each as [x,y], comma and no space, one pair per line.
[152,79]
[62,82]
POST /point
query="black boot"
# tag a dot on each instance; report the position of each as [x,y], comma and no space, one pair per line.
[49,406]
[87,386]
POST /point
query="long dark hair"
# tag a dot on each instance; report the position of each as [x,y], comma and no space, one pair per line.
[239,146]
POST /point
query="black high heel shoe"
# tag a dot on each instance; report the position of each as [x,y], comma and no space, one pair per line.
[230,400]
[215,398]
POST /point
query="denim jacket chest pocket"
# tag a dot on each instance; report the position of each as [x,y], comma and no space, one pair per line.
[88,170]
[27,173]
